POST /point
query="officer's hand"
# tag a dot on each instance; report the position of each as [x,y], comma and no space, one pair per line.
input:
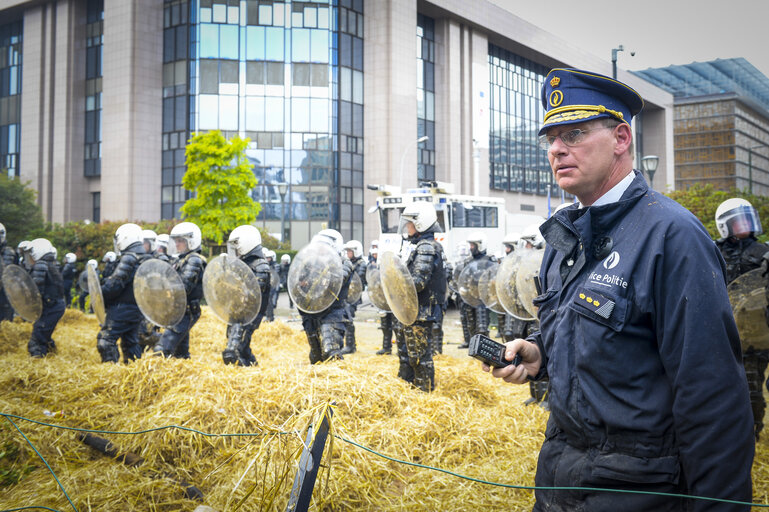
[530,362]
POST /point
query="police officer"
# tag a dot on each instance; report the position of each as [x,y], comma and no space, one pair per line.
[436,336]
[110,264]
[325,330]
[82,283]
[647,389]
[425,263]
[373,250]
[151,246]
[466,312]
[68,274]
[149,333]
[385,317]
[478,317]
[162,246]
[739,225]
[47,277]
[285,264]
[123,317]
[186,238]
[269,314]
[22,252]
[245,242]
[7,257]
[354,252]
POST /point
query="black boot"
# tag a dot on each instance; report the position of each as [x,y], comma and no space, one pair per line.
[349,340]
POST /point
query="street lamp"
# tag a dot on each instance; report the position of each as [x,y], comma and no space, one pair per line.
[614,52]
[282,190]
[403,156]
[649,165]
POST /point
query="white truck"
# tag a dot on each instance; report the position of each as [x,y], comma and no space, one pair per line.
[458,216]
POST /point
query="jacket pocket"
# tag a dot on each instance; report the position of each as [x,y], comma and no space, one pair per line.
[619,467]
[600,307]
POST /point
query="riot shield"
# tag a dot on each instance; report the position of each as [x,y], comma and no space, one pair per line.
[525,278]
[508,295]
[159,293]
[94,290]
[398,287]
[468,281]
[82,281]
[375,291]
[487,288]
[315,278]
[748,298]
[355,290]
[231,290]
[22,293]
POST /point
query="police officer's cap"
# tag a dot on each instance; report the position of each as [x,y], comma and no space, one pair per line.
[574,96]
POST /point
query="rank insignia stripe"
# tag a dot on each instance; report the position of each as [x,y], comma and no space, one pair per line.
[595,302]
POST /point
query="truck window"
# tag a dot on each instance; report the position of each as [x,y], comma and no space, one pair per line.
[389,218]
[474,216]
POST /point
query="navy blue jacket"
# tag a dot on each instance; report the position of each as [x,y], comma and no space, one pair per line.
[640,345]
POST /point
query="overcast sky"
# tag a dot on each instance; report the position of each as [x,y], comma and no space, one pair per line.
[661,32]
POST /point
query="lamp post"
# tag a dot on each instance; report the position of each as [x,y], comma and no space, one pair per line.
[282,190]
[614,52]
[403,156]
[649,165]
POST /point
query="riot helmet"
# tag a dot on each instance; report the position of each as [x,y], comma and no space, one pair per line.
[531,235]
[94,264]
[109,257]
[127,235]
[330,237]
[737,218]
[149,238]
[2,234]
[354,247]
[186,232]
[285,259]
[269,253]
[477,241]
[243,240]
[421,215]
[40,247]
[510,241]
[70,258]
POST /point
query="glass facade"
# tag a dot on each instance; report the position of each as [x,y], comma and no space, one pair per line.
[93,86]
[10,96]
[515,159]
[287,75]
[426,97]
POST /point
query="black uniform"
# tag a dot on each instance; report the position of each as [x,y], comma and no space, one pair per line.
[283,274]
[359,267]
[325,330]
[425,263]
[175,341]
[123,315]
[239,335]
[68,274]
[109,268]
[46,275]
[272,302]
[741,256]
[8,256]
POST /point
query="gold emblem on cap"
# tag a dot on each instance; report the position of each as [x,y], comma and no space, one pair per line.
[556,98]
[555,81]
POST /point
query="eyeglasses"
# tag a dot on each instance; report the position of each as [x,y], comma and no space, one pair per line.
[570,138]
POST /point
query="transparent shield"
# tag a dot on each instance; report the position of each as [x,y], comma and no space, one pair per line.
[399,289]
[525,278]
[82,281]
[231,290]
[747,296]
[97,299]
[355,289]
[159,293]
[468,281]
[487,287]
[375,290]
[315,278]
[22,293]
[507,294]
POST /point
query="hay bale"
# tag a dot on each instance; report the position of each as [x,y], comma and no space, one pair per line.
[472,425]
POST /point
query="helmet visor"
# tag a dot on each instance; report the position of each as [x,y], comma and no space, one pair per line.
[741,221]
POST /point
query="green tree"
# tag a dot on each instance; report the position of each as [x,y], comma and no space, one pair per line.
[221,179]
[19,211]
[703,200]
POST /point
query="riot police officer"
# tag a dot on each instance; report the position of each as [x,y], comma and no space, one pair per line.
[425,264]
[7,257]
[82,283]
[245,242]
[123,315]
[149,333]
[739,225]
[22,252]
[187,238]
[269,314]
[354,253]
[386,318]
[162,246]
[68,274]
[325,330]
[477,317]
[110,263]
[46,275]
[151,246]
